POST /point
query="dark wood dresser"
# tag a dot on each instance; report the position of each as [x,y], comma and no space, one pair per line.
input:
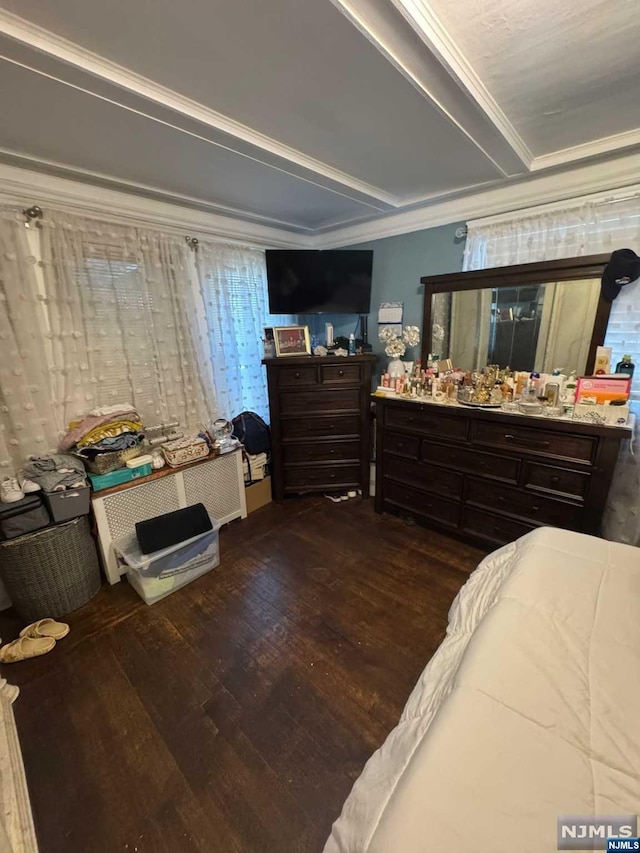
[489,475]
[320,423]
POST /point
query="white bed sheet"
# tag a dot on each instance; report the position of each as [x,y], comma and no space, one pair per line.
[530,708]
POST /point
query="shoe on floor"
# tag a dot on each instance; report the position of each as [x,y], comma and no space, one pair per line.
[10,490]
[334,498]
[46,628]
[352,494]
[27,485]
[24,648]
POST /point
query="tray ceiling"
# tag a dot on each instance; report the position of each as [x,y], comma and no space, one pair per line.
[314,114]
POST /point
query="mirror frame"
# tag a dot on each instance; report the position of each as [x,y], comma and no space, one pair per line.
[542,272]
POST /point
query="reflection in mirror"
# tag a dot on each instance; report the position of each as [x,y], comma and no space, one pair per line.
[525,327]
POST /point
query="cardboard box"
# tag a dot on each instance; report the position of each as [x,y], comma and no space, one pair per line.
[258,494]
[602,389]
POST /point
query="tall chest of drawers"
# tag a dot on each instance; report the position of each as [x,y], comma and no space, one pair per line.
[320,423]
[492,476]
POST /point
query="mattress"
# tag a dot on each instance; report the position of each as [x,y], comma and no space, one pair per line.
[529,709]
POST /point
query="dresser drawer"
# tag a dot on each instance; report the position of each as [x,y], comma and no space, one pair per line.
[294,376]
[438,481]
[492,528]
[321,451]
[419,503]
[560,481]
[414,419]
[539,441]
[500,467]
[340,373]
[402,445]
[307,402]
[320,427]
[516,502]
[326,476]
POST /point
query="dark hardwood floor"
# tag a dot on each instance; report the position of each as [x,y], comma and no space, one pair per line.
[236,714]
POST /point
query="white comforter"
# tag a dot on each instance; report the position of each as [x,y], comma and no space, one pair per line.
[529,709]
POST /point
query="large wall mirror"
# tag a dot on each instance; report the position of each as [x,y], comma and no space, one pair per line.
[528,317]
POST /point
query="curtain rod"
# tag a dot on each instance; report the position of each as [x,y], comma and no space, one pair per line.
[34,215]
[569,204]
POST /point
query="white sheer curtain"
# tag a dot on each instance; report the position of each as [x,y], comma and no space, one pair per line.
[587,228]
[120,308]
[120,305]
[27,421]
[233,285]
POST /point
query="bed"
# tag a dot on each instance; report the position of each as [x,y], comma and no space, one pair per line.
[529,709]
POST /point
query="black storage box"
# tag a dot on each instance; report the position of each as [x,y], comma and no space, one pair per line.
[68,504]
[169,529]
[22,517]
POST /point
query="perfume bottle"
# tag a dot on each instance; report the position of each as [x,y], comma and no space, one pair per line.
[626,366]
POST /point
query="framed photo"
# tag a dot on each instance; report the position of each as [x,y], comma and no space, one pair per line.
[292,340]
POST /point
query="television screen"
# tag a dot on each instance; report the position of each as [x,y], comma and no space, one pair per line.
[319,282]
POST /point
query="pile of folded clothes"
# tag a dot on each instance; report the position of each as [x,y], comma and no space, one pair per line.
[55,473]
[104,430]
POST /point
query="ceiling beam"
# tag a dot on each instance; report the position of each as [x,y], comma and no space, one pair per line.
[387,25]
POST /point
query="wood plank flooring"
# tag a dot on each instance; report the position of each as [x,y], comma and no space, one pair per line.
[236,714]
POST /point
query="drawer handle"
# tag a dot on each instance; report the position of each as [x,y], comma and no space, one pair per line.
[526,441]
[496,529]
[555,480]
[535,508]
[501,499]
[341,373]
[296,375]
[400,445]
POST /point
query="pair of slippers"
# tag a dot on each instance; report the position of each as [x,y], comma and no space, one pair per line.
[337,498]
[34,640]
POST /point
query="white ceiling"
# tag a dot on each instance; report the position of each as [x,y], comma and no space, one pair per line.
[313,115]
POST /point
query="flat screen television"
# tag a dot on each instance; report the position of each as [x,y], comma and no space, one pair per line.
[319,282]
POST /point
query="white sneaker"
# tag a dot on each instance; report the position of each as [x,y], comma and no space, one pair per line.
[10,491]
[27,485]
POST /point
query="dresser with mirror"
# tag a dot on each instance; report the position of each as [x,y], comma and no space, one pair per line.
[486,474]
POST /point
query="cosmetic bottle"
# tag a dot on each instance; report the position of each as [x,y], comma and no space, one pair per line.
[625,366]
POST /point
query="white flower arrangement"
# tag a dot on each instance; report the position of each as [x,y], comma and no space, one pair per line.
[395,348]
[396,345]
[411,336]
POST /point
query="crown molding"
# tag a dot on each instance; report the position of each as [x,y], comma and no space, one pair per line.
[535,190]
[71,54]
[596,148]
[437,38]
[22,187]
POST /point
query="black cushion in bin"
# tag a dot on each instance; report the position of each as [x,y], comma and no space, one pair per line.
[21,517]
[169,529]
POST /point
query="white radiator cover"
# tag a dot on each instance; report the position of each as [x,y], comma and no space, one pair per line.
[217,483]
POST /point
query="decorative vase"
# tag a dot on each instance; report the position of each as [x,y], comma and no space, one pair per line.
[408,367]
[395,368]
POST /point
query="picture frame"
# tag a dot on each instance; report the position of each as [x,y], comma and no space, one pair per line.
[292,341]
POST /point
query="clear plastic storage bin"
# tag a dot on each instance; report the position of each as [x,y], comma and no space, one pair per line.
[156,575]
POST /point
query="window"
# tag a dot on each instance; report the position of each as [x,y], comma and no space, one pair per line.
[233,283]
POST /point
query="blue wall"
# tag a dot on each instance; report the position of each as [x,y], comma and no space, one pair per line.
[398,264]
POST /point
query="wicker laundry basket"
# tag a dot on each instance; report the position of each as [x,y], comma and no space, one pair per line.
[52,571]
